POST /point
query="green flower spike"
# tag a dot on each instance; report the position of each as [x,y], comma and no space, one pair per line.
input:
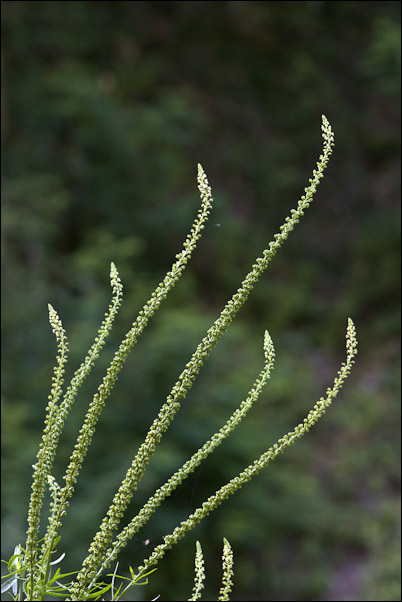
[227,564]
[48,445]
[199,574]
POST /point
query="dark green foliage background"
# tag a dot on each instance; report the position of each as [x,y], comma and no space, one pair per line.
[107,108]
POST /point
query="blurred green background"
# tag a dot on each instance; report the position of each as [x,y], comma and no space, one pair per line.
[107,108]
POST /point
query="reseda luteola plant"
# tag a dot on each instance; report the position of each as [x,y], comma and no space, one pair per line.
[108,541]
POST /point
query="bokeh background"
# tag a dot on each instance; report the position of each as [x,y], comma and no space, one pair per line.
[107,108]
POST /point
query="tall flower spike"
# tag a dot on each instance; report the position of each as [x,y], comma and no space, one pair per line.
[227,565]
[160,293]
[199,574]
[48,445]
[151,306]
[134,474]
[253,469]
